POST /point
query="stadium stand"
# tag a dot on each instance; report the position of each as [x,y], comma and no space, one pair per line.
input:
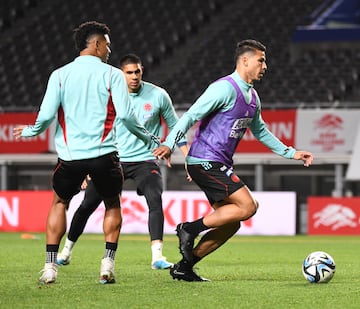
[184,46]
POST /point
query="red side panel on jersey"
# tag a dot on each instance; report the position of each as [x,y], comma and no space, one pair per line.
[110,118]
[61,119]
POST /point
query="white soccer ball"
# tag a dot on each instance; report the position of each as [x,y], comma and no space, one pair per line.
[318,267]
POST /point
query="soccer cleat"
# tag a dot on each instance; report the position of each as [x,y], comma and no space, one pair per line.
[161,264]
[64,257]
[107,272]
[186,242]
[187,275]
[49,273]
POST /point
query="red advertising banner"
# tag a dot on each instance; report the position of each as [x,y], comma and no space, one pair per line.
[8,144]
[281,123]
[333,216]
[24,210]
[321,131]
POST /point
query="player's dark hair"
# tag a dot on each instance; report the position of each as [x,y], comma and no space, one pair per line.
[86,30]
[129,59]
[246,46]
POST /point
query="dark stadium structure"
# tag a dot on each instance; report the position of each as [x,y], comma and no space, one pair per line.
[185,45]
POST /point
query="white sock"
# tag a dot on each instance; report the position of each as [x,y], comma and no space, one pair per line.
[156,250]
[68,245]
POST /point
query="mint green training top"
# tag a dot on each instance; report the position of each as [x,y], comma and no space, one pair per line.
[150,104]
[86,95]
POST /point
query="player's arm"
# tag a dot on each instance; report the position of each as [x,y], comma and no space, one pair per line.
[169,115]
[48,110]
[262,133]
[214,98]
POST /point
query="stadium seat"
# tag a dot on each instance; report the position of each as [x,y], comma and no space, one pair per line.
[37,39]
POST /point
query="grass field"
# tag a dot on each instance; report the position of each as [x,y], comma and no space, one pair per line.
[247,272]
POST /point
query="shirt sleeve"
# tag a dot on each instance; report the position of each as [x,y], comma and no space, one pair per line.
[125,113]
[219,95]
[261,132]
[169,114]
[48,108]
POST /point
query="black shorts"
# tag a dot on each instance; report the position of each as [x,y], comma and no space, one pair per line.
[105,172]
[144,173]
[215,179]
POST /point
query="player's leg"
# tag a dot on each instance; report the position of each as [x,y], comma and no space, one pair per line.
[67,178]
[214,239]
[229,196]
[239,206]
[149,183]
[208,243]
[91,201]
[232,202]
[108,179]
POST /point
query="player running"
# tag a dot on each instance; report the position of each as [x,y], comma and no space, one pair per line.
[226,109]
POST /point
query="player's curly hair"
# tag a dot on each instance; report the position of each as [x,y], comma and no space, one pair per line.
[246,46]
[83,32]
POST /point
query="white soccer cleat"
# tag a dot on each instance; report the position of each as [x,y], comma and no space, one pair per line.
[107,271]
[49,273]
[64,257]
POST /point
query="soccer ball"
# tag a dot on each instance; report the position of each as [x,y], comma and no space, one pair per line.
[318,267]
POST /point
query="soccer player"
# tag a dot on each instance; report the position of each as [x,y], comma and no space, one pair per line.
[226,109]
[150,103]
[86,95]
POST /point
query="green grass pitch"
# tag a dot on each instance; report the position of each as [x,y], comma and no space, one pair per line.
[247,272]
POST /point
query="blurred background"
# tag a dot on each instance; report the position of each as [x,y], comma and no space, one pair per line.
[187,44]
[313,58]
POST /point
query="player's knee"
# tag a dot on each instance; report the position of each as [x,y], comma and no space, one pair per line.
[251,209]
[153,199]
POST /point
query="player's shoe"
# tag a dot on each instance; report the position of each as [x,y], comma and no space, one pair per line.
[186,242]
[107,272]
[187,275]
[48,273]
[64,257]
[161,264]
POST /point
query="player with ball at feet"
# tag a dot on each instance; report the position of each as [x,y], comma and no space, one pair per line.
[226,109]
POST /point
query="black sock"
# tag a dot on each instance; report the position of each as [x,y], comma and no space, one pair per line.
[186,265]
[51,253]
[195,227]
[196,259]
[110,250]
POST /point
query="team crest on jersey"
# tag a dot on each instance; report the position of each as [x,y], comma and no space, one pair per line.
[147,107]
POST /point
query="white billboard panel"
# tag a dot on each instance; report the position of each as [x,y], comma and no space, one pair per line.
[326,130]
[275,216]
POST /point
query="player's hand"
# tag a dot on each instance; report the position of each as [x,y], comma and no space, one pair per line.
[18,130]
[162,152]
[188,177]
[85,182]
[305,156]
[168,161]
